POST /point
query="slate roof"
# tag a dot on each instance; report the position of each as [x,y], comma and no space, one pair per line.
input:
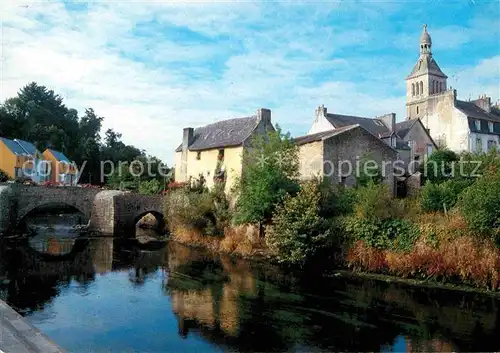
[225,133]
[426,65]
[28,147]
[473,111]
[59,156]
[375,126]
[14,147]
[319,136]
[403,127]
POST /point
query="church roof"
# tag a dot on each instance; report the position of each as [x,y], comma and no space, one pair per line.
[425,38]
[426,65]
[225,133]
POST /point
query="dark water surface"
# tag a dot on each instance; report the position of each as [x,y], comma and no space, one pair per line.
[113,295]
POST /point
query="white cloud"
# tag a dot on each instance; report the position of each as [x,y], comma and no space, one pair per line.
[153,68]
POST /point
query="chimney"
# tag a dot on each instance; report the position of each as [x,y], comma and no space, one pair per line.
[484,103]
[264,114]
[187,137]
[389,120]
[321,111]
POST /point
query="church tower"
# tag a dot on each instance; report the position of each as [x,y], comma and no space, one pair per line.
[425,79]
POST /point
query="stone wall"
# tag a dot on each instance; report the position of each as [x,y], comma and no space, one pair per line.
[353,146]
[311,160]
[132,207]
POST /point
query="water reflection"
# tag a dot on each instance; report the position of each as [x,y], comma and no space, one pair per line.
[104,293]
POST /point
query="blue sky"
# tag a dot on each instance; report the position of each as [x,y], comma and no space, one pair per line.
[152,68]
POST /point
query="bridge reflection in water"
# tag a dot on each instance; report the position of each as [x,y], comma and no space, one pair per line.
[214,302]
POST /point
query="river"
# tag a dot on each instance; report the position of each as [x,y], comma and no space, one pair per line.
[122,295]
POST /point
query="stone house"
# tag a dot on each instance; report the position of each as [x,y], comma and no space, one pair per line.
[409,138]
[458,125]
[338,155]
[216,150]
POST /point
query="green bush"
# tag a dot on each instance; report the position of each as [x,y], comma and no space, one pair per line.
[394,234]
[336,200]
[368,231]
[402,233]
[435,197]
[222,209]
[298,231]
[270,171]
[479,204]
[189,209]
[4,176]
[150,187]
[374,203]
[441,165]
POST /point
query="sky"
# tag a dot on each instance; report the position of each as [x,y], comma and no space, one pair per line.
[151,68]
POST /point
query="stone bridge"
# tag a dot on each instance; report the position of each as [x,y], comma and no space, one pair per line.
[109,211]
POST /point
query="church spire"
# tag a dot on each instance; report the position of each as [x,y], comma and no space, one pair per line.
[425,42]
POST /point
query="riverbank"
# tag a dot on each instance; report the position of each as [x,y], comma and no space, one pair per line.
[411,282]
[19,336]
[262,255]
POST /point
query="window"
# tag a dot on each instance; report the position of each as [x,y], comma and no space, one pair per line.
[432,87]
[417,109]
[479,144]
[198,155]
[221,154]
[429,150]
[441,87]
[421,87]
[412,89]
[490,126]
[478,124]
[492,144]
[418,90]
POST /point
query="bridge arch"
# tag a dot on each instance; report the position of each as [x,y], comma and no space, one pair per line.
[51,206]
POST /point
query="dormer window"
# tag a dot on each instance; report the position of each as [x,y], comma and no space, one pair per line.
[490,126]
[478,124]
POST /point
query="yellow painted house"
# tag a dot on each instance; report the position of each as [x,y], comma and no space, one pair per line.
[21,159]
[61,169]
[216,150]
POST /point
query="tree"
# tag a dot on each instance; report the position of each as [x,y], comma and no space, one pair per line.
[270,171]
[297,230]
[479,204]
[441,165]
[40,116]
